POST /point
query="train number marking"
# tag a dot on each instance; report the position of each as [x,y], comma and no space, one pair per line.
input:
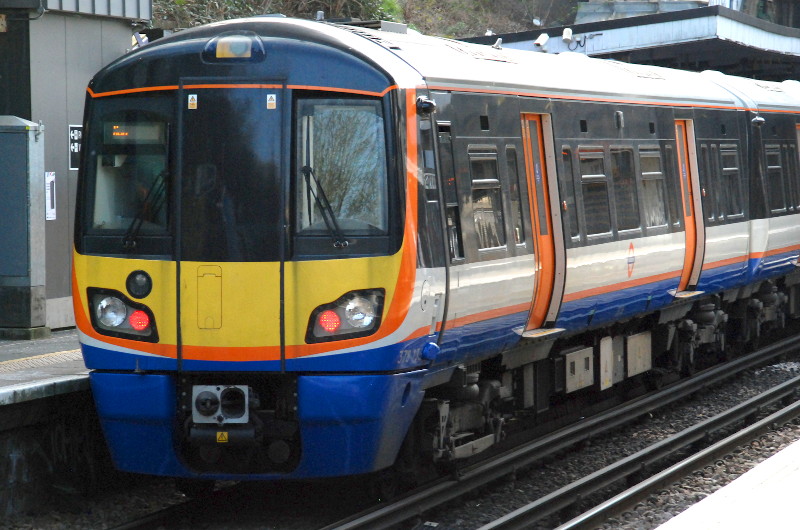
[222,437]
[192,101]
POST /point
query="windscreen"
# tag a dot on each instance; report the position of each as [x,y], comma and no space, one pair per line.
[126,183]
[225,155]
[131,174]
[342,179]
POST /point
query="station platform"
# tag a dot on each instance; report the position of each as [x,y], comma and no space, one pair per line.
[33,369]
[764,497]
[49,430]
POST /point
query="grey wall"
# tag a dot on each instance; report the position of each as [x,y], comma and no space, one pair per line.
[66,50]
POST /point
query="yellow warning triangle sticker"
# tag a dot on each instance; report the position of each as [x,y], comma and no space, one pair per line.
[222,437]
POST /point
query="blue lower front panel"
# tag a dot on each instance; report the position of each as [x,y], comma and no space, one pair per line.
[349,424]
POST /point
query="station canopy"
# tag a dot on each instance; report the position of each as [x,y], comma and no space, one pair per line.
[704,38]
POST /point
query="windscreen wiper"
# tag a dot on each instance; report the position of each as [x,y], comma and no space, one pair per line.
[324,206]
[154,201]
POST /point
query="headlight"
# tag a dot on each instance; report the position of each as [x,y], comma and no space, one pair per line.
[116,315]
[360,312]
[111,312]
[355,314]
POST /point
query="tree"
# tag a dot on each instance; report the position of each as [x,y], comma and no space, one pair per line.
[450,18]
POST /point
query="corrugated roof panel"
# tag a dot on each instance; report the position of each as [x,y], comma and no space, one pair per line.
[131,9]
[757,37]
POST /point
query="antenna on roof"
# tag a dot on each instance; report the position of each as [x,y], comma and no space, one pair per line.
[320,16]
[498,45]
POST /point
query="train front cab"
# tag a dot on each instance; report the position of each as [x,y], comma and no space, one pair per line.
[255,351]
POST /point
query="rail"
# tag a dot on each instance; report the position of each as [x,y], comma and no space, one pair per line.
[476,476]
[566,496]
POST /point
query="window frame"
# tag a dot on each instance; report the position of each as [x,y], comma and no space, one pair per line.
[725,174]
[483,153]
[594,152]
[636,231]
[775,174]
[647,151]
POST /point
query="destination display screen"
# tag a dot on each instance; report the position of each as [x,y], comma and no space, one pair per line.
[118,132]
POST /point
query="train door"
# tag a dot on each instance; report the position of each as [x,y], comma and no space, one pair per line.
[432,258]
[230,204]
[547,291]
[693,223]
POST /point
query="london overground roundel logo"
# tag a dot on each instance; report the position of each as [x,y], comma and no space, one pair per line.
[631,260]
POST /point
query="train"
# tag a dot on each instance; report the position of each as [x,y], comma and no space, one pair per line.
[307,250]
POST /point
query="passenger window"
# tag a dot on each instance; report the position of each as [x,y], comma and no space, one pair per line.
[793,176]
[653,187]
[487,201]
[788,181]
[567,186]
[731,183]
[673,187]
[594,186]
[775,179]
[515,184]
[625,196]
[707,181]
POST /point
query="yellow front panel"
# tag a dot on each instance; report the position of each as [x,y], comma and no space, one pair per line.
[250,297]
[230,306]
[310,284]
[111,273]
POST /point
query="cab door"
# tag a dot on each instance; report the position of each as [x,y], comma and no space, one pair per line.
[229,214]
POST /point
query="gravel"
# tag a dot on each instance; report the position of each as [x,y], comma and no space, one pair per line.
[125,498]
[506,497]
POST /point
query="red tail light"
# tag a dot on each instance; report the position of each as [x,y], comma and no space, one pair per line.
[139,320]
[329,321]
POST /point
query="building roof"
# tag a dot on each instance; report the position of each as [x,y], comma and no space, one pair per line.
[705,38]
[128,9]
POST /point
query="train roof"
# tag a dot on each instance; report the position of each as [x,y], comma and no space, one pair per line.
[574,75]
[411,59]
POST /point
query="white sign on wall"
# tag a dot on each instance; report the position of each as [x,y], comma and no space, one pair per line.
[50,195]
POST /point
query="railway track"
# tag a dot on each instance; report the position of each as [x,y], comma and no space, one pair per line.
[652,456]
[474,477]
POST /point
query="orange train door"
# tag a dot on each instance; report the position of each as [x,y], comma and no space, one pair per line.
[542,224]
[693,223]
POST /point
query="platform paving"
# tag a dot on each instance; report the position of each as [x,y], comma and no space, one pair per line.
[41,368]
